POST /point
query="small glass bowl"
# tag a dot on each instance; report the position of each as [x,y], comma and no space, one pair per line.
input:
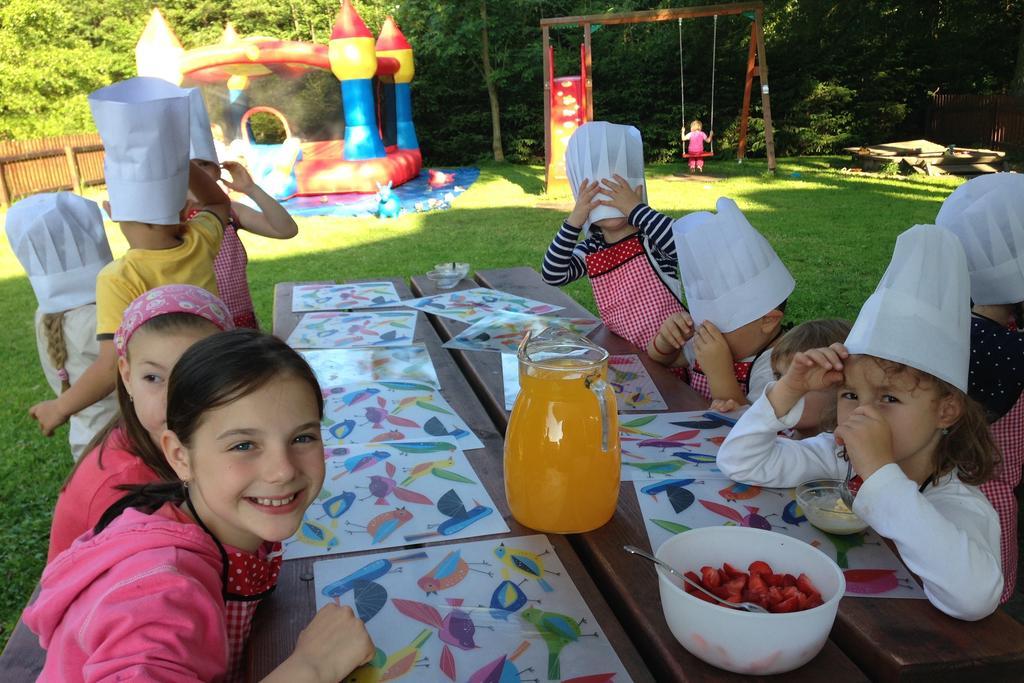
[823,507]
[444,279]
[461,268]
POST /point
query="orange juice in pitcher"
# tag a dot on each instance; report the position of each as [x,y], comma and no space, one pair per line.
[562,452]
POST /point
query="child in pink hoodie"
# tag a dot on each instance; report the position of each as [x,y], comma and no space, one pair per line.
[166,586]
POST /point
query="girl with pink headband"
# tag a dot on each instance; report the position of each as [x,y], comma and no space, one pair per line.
[156,329]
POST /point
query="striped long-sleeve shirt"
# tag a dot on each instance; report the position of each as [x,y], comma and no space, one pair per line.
[565,260]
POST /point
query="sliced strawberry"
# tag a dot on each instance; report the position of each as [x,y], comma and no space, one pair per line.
[711,577]
[773,580]
[692,577]
[803,582]
[774,595]
[731,571]
[759,567]
[703,596]
[788,580]
[788,605]
[756,583]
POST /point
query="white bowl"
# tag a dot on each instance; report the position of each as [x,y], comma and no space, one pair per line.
[746,642]
[822,505]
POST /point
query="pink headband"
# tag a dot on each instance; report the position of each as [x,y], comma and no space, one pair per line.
[170,299]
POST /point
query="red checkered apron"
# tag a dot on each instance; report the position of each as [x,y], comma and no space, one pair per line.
[1008,433]
[632,299]
[248,578]
[742,368]
[229,268]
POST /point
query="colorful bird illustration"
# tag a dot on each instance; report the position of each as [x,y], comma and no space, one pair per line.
[335,506]
[403,660]
[792,514]
[717,440]
[592,678]
[737,491]
[672,440]
[456,628]
[751,519]
[355,397]
[382,486]
[450,505]
[370,572]
[449,571]
[384,524]
[377,415]
[502,670]
[316,534]
[557,631]
[436,467]
[678,495]
[339,430]
[872,581]
[507,598]
[526,563]
[695,459]
[434,427]
[657,467]
[393,435]
[361,462]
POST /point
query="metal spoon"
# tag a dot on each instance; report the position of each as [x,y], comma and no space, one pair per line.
[747,606]
[844,489]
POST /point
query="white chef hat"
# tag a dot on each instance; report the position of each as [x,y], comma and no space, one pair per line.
[973,190]
[200,135]
[599,150]
[144,123]
[988,218]
[730,273]
[920,313]
[59,239]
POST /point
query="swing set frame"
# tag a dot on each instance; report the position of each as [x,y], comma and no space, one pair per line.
[757,64]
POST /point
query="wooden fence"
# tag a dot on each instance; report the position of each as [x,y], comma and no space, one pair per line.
[68,162]
[992,121]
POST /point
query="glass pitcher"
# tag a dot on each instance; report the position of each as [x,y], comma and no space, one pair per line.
[562,451]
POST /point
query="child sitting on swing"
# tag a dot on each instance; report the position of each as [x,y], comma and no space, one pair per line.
[695,150]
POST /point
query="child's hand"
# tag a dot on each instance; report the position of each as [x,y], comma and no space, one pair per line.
[49,416]
[333,644]
[240,181]
[623,197]
[868,440]
[724,405]
[712,350]
[585,203]
[815,369]
[675,331]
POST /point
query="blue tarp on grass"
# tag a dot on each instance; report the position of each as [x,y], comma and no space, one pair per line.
[415,195]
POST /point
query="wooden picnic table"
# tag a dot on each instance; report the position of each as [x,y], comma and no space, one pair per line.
[889,639]
[629,589]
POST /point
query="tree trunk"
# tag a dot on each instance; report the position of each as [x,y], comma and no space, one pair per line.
[492,90]
[1017,84]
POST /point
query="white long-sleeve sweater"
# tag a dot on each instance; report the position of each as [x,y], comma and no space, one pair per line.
[948,535]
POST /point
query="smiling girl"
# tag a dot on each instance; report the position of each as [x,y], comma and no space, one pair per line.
[918,442]
[167,585]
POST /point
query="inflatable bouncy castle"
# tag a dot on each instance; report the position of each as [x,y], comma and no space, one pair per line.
[325,143]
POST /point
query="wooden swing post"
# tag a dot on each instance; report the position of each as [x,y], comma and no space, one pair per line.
[647,16]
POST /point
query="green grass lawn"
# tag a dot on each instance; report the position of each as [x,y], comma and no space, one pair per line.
[835,231]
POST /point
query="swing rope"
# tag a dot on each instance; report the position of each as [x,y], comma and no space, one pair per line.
[682,91]
[714,54]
